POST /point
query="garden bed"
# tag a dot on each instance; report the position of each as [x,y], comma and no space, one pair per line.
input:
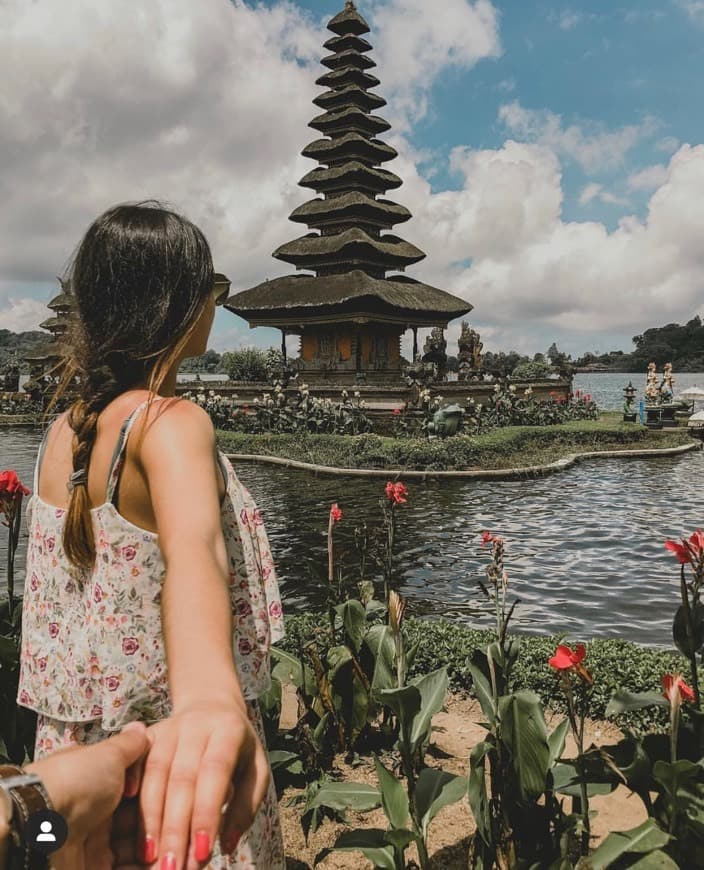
[510,447]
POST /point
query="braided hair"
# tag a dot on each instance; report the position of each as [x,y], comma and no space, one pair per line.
[139,278]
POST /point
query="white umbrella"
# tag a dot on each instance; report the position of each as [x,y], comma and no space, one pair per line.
[693,394]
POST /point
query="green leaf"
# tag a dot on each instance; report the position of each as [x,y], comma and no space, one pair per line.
[689,647]
[394,799]
[337,657]
[371,842]
[354,621]
[288,668]
[436,789]
[381,645]
[476,789]
[624,701]
[657,860]
[556,741]
[346,795]
[523,731]
[433,691]
[287,760]
[411,655]
[645,838]
[405,702]
[481,683]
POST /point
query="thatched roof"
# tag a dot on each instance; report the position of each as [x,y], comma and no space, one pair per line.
[348,21]
[349,42]
[306,294]
[351,246]
[347,75]
[345,208]
[352,95]
[347,58]
[352,175]
[61,302]
[352,146]
[52,323]
[349,121]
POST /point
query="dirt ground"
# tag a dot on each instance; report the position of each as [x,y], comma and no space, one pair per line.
[456,731]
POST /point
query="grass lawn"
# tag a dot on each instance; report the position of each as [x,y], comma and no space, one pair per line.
[510,447]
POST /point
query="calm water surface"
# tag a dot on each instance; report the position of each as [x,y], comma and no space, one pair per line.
[607,389]
[585,546]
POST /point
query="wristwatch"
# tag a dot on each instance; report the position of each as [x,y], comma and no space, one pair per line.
[22,795]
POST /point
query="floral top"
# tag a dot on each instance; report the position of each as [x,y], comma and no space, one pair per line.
[92,642]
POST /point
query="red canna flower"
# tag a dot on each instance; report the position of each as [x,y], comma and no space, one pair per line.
[487,537]
[335,513]
[688,551]
[11,491]
[396,492]
[676,690]
[396,412]
[566,660]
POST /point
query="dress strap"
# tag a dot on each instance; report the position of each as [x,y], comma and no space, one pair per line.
[40,456]
[118,457]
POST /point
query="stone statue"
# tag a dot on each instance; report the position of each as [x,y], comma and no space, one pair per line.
[470,352]
[446,421]
[435,351]
[11,375]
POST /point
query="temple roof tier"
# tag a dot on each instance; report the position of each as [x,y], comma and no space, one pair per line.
[348,58]
[54,323]
[348,21]
[351,120]
[351,95]
[347,75]
[62,302]
[350,147]
[353,246]
[305,295]
[348,177]
[350,208]
[350,42]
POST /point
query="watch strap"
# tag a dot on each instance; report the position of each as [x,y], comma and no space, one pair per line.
[28,796]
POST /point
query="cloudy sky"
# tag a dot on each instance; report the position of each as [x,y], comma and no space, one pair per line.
[552,152]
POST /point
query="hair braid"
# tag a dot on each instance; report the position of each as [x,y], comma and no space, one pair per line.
[99,386]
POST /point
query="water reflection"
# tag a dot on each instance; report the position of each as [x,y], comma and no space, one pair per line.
[585,547]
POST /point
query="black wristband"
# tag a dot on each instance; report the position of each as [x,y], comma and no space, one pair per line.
[27,795]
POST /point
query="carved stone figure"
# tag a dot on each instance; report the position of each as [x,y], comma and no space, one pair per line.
[11,376]
[435,351]
[470,352]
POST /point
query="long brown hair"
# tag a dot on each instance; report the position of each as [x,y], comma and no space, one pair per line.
[139,278]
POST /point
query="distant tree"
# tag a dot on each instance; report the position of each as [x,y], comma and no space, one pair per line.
[556,357]
[245,364]
[532,371]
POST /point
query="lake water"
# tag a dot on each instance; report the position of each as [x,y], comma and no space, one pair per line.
[585,547]
[607,389]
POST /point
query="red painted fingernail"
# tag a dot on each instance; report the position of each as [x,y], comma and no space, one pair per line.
[232,841]
[202,846]
[168,862]
[148,850]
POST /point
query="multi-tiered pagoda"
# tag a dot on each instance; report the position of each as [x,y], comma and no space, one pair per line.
[58,326]
[349,313]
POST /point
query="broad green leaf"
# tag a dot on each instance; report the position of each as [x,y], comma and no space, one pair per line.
[657,860]
[351,700]
[624,701]
[523,731]
[556,741]
[436,789]
[278,758]
[346,795]
[433,691]
[476,789]
[645,838]
[405,702]
[354,621]
[394,799]
[381,645]
[371,842]
[689,647]
[411,655]
[401,839]
[337,657]
[289,669]
[481,683]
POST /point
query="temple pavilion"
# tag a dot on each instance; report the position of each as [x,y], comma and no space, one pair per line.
[57,325]
[349,312]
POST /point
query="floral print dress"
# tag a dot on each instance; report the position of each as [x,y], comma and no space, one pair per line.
[93,657]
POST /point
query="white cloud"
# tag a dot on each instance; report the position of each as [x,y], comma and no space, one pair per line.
[694,8]
[593,192]
[568,19]
[21,313]
[416,40]
[534,273]
[590,144]
[668,144]
[649,178]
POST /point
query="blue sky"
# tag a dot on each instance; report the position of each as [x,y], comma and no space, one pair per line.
[551,152]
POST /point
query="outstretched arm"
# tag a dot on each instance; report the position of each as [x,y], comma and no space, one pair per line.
[208,743]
